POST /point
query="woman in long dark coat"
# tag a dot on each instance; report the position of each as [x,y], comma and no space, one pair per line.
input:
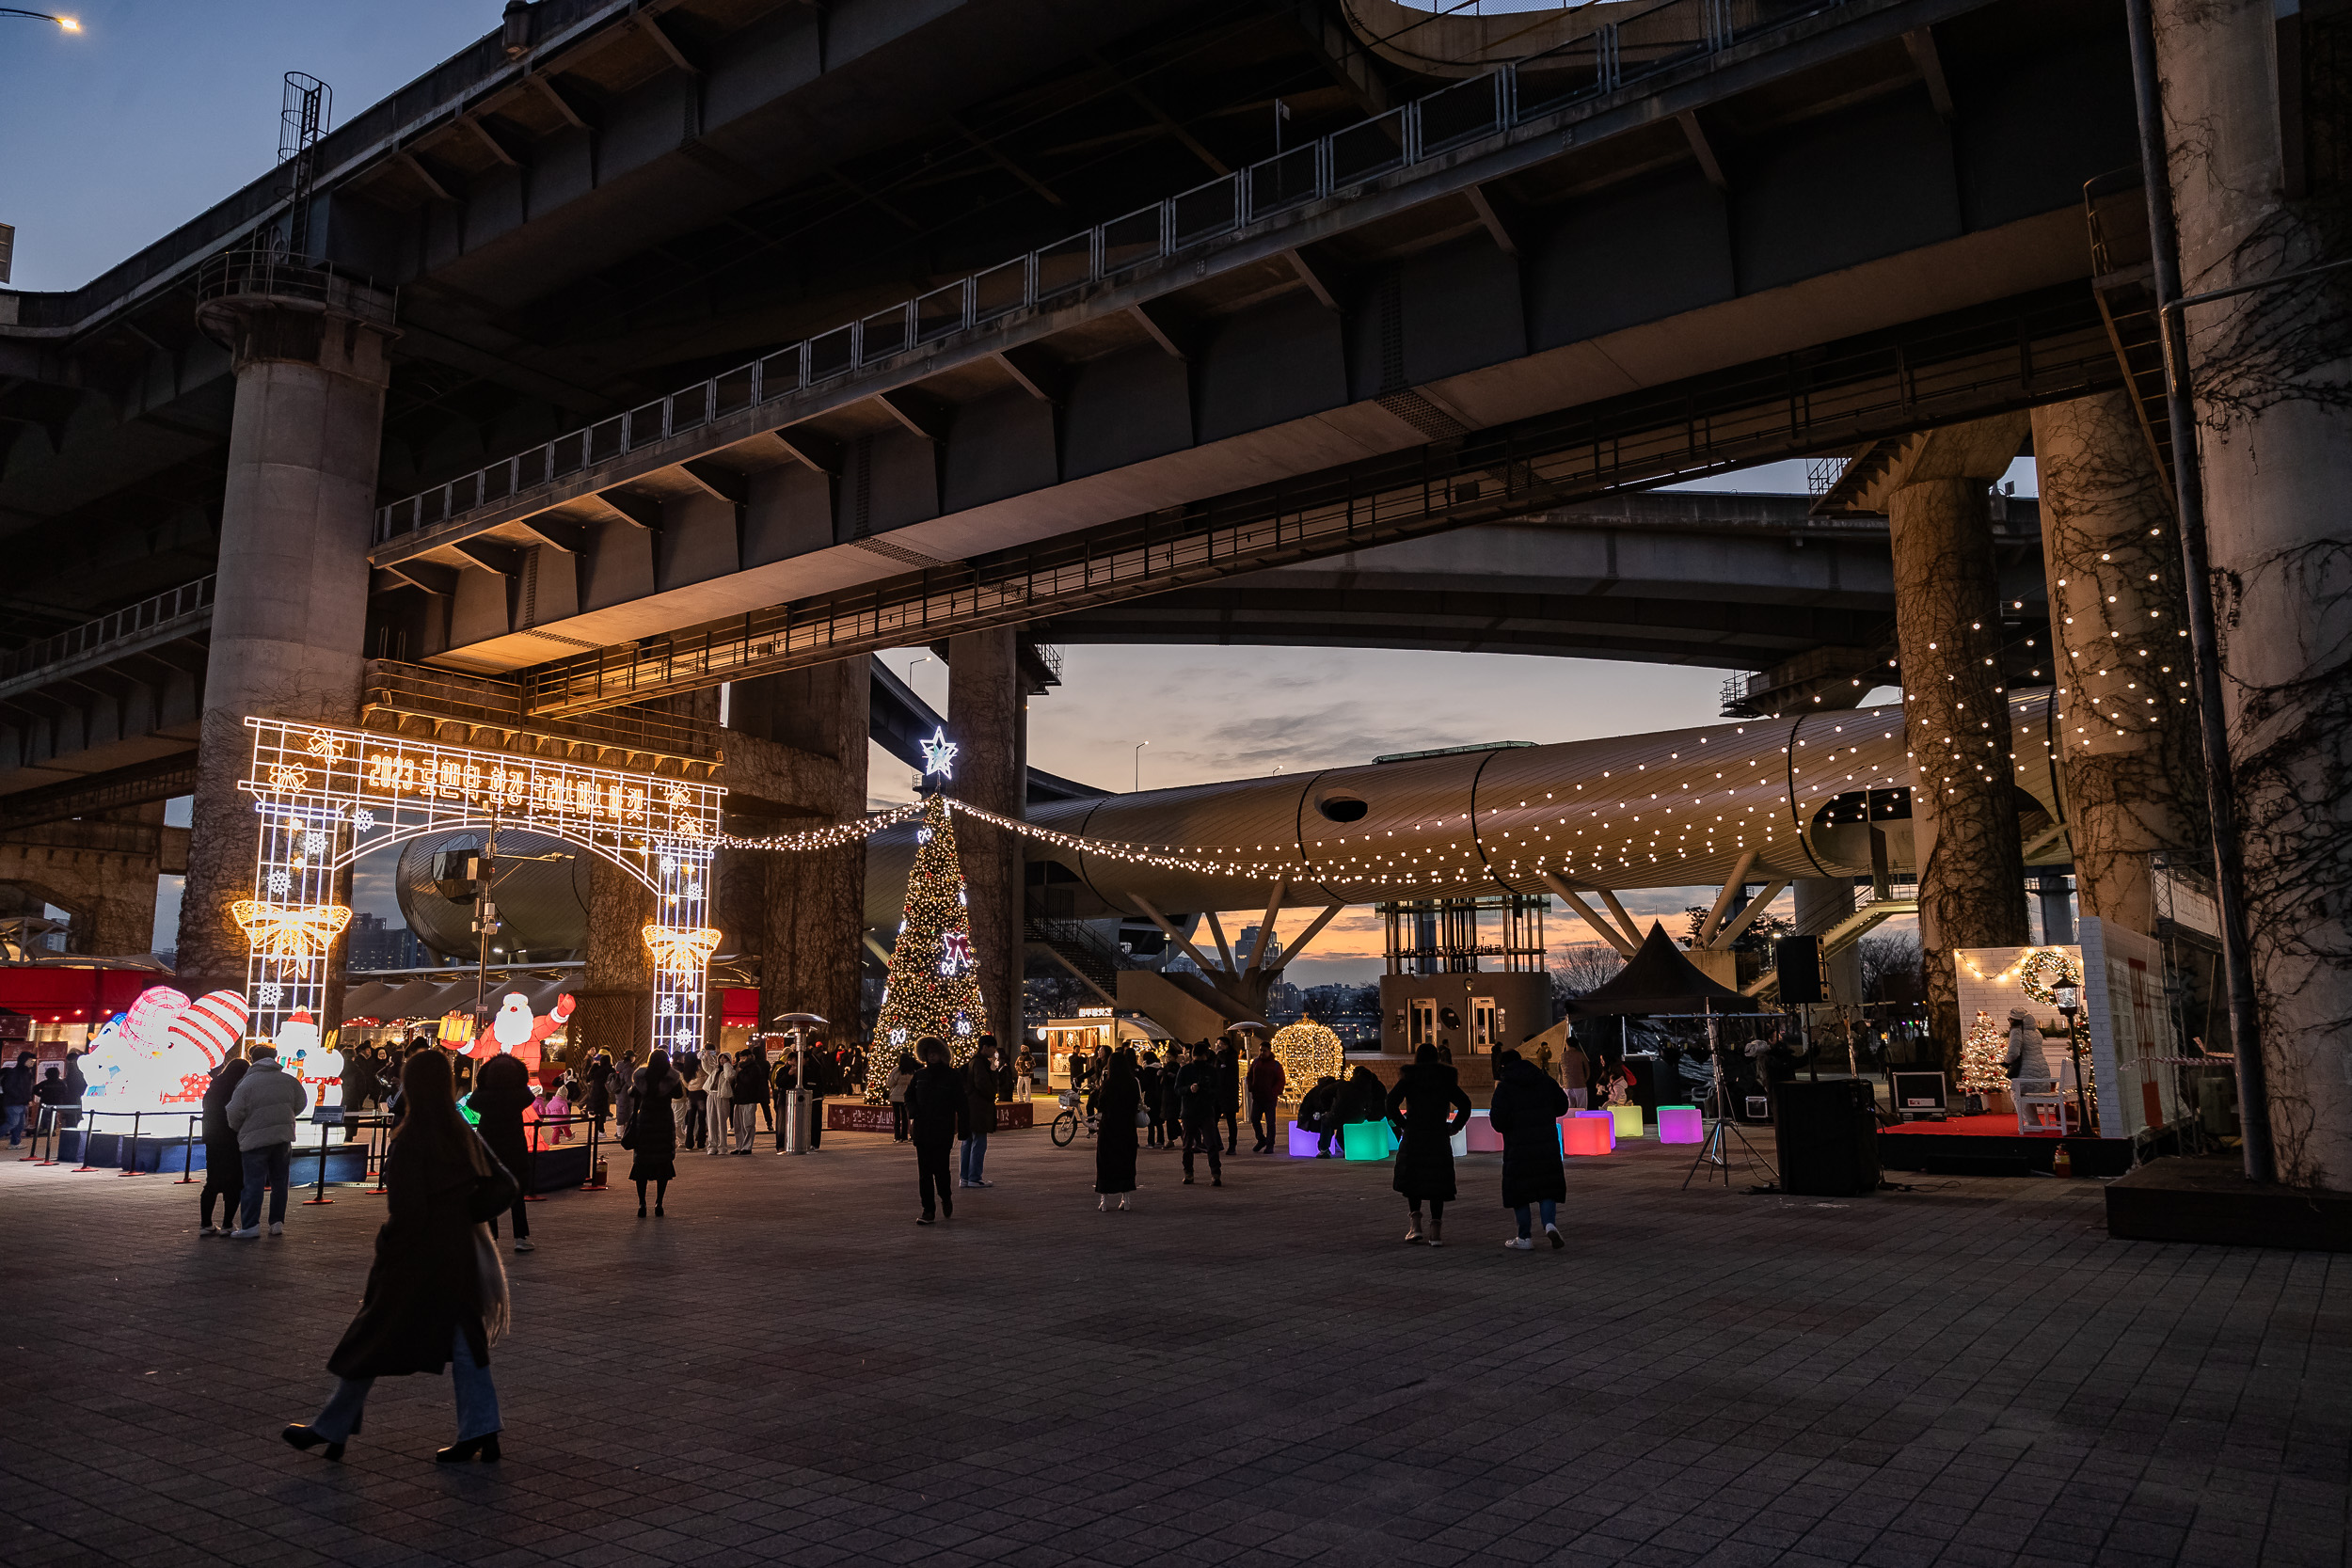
[1115,1105]
[1527,1106]
[224,1163]
[501,1093]
[1428,1107]
[653,1129]
[436,1296]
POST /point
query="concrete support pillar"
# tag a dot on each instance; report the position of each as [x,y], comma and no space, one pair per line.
[102,872]
[2130,770]
[1947,622]
[1822,902]
[985,716]
[290,610]
[812,907]
[2272,375]
[616,980]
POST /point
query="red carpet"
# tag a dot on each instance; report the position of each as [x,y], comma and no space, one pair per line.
[1967,1127]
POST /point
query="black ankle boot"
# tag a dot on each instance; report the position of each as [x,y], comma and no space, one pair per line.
[305,1438]
[484,1449]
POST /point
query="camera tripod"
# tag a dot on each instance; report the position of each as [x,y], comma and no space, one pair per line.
[1715,1147]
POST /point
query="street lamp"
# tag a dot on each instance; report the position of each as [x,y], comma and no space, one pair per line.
[2069,997]
[65,24]
[1140,746]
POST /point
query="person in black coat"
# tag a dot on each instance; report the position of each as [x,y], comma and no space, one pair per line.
[979,1104]
[1172,1098]
[434,1297]
[1527,1106]
[501,1093]
[224,1165]
[1362,1098]
[938,1110]
[600,1102]
[1196,1090]
[653,1129]
[1228,1091]
[1318,1112]
[752,1081]
[1148,1089]
[1116,1105]
[1428,1107]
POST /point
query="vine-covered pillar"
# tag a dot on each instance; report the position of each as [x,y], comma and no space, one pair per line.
[2255,135]
[810,905]
[1947,625]
[2129,766]
[616,994]
[985,716]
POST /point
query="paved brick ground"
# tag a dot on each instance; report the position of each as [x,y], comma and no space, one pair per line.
[788,1371]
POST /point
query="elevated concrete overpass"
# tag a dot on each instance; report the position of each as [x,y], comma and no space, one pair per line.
[1288,340]
[106,715]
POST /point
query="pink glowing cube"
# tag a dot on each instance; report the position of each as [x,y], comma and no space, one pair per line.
[1480,1136]
[1679,1124]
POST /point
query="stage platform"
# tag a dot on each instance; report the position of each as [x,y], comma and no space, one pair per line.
[1992,1146]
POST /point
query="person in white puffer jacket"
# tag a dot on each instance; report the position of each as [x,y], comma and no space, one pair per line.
[262,1113]
[717,1076]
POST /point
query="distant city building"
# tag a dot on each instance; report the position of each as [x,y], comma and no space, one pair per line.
[1248,943]
[378,945]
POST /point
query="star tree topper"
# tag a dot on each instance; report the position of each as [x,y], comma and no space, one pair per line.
[938,754]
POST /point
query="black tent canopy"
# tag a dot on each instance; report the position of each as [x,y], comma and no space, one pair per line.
[1659,979]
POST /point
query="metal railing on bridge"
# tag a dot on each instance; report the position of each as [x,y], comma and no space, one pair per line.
[122,626]
[1637,43]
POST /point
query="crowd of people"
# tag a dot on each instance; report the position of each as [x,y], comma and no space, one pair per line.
[436,1297]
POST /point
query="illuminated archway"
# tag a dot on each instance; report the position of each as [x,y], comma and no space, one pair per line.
[325,796]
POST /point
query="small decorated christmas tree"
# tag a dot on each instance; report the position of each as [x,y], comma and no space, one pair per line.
[934,983]
[1981,1057]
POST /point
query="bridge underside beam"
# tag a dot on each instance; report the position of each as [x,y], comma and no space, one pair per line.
[2013,355]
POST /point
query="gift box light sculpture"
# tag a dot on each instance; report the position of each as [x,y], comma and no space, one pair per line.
[1679,1124]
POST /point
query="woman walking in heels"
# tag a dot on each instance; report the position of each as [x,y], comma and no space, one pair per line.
[1115,1105]
[652,1133]
[437,1292]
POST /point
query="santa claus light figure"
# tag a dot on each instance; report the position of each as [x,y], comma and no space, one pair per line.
[515,1031]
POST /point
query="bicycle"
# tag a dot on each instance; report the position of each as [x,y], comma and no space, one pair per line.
[1066,1124]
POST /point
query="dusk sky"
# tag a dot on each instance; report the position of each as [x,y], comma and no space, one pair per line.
[112,137]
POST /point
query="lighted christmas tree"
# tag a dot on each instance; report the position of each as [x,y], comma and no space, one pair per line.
[1982,1057]
[934,982]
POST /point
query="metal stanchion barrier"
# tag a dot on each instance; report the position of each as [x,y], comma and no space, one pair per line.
[55,1118]
[530,1167]
[188,1152]
[377,1150]
[89,1130]
[40,1120]
[596,1125]
[321,1198]
[133,1168]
